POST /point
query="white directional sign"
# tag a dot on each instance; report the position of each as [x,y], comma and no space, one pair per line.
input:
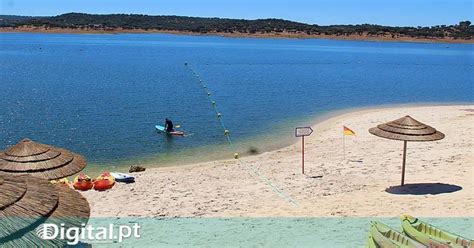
[303,131]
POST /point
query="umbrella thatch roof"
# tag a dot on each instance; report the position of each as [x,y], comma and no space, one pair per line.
[40,160]
[27,202]
[406,129]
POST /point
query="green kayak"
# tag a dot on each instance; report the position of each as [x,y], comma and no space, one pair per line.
[381,235]
[432,236]
[371,242]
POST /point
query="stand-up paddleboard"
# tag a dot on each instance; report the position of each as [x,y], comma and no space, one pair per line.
[162,129]
[121,177]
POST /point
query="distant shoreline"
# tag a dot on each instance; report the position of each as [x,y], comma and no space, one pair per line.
[281,35]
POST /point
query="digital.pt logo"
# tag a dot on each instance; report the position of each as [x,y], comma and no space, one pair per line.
[88,233]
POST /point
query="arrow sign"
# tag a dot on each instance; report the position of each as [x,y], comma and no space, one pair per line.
[303,131]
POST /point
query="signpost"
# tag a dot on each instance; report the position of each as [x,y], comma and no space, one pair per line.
[302,132]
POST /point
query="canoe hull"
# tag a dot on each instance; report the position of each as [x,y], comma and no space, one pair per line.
[430,235]
[381,235]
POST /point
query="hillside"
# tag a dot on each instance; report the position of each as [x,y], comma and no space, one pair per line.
[78,22]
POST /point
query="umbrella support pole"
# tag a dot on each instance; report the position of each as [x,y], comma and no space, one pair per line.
[404,161]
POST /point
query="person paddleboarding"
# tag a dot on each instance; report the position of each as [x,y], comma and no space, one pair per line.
[169,128]
[169,125]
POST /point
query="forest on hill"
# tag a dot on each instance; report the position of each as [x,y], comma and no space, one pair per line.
[110,22]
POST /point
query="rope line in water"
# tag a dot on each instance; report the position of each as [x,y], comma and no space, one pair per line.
[332,63]
[229,140]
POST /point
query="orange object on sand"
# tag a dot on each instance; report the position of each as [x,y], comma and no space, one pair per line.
[104,182]
[83,182]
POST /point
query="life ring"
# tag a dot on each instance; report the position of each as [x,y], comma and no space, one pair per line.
[104,182]
[83,182]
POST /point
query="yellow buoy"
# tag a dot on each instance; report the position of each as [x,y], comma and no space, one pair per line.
[236,155]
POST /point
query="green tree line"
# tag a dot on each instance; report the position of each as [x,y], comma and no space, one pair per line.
[462,30]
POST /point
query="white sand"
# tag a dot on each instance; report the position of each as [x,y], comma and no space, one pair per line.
[331,187]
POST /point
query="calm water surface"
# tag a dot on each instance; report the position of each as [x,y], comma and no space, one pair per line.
[101,95]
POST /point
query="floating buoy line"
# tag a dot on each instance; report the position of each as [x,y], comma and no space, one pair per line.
[227,135]
[332,63]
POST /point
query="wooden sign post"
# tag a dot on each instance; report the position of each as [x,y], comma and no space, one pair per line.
[302,132]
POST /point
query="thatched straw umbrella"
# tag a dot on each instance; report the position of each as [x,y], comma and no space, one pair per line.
[27,202]
[406,129]
[40,160]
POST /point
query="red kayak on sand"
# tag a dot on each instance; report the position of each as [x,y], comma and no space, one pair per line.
[104,182]
[83,182]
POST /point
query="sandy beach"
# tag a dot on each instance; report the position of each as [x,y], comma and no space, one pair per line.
[331,186]
[273,35]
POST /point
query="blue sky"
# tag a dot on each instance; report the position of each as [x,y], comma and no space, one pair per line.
[385,12]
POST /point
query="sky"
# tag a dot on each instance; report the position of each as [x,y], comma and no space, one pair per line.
[322,12]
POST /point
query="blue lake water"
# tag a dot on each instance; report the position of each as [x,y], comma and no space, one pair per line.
[101,95]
